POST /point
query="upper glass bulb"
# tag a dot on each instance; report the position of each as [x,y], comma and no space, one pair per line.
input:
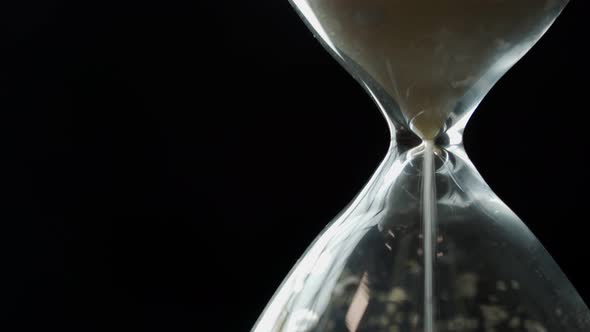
[433,58]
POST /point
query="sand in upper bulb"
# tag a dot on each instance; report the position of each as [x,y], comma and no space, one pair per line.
[427,54]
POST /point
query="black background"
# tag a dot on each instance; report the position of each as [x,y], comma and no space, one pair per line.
[166,163]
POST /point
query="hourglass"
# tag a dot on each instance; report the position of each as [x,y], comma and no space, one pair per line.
[426,245]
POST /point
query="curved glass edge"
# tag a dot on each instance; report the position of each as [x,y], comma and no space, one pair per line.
[366,268]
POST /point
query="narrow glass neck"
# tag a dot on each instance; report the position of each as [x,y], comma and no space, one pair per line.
[403,139]
[400,128]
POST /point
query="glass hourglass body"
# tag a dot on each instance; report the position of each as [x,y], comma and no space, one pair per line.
[426,245]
